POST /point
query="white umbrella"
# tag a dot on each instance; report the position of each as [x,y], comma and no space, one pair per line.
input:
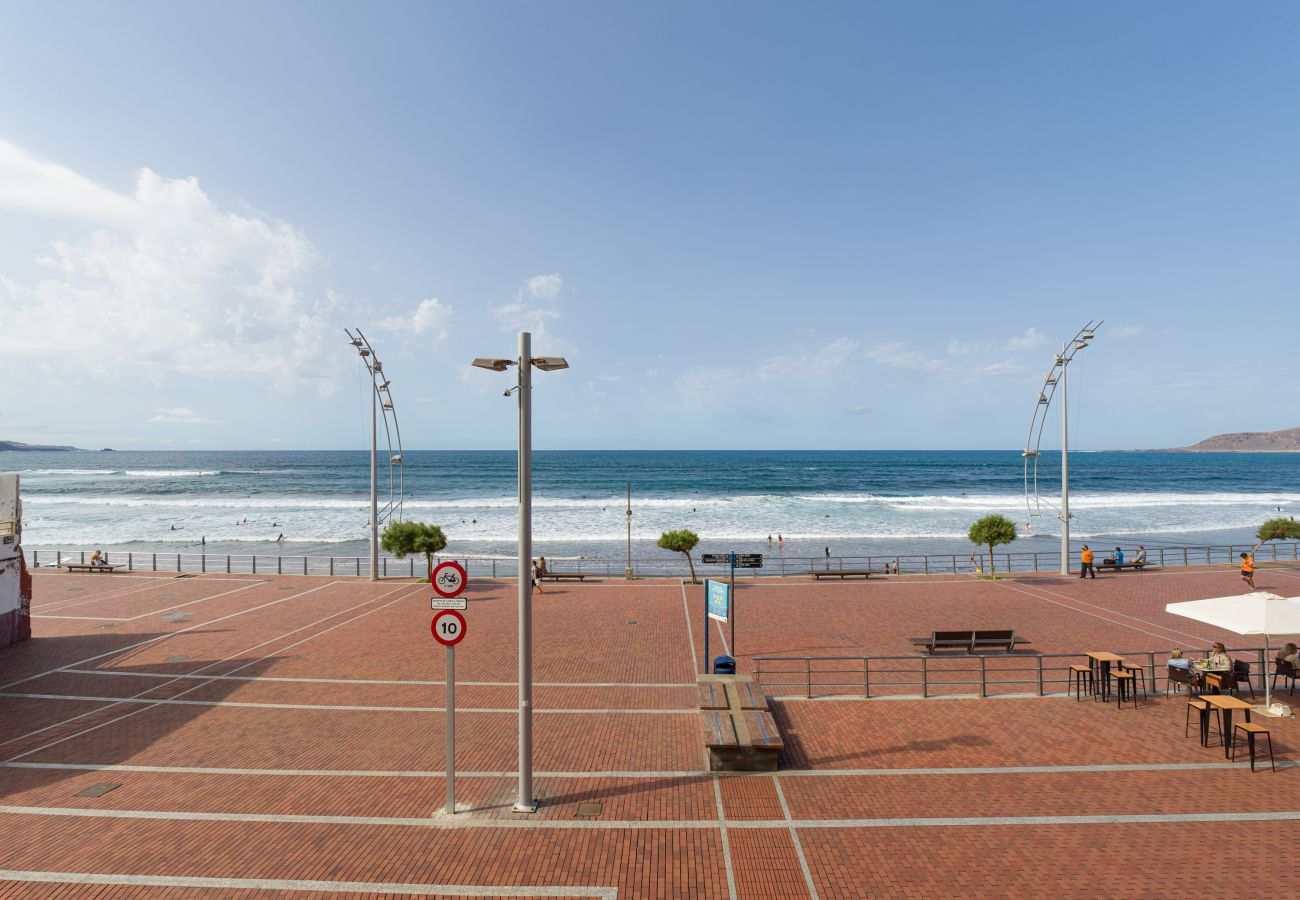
[1258,612]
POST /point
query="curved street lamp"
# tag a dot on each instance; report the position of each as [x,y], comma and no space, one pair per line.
[1056,377]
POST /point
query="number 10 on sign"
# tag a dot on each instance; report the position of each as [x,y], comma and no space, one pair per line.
[449,630]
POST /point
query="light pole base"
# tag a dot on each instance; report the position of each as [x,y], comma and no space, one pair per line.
[525,807]
[628,574]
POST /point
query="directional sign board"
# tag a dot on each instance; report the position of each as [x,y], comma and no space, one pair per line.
[449,579]
[717,599]
[743,560]
[448,627]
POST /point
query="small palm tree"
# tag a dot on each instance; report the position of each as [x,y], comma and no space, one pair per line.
[683,541]
[401,538]
[991,531]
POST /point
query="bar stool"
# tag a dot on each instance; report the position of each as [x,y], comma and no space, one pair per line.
[1140,673]
[1203,710]
[1125,684]
[1251,730]
[1082,676]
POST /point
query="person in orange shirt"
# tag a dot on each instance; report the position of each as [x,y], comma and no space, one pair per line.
[1085,563]
[1248,570]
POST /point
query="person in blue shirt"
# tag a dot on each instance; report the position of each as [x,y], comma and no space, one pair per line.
[1119,557]
[1178,661]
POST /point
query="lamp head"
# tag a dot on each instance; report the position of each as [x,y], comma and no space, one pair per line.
[550,363]
[496,365]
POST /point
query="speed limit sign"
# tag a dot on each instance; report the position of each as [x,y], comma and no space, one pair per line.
[449,579]
[448,628]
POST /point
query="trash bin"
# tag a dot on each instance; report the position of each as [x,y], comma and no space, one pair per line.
[724,665]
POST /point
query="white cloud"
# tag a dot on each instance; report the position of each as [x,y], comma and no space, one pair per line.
[431,315]
[165,280]
[535,305]
[1027,341]
[810,364]
[1124,331]
[898,355]
[543,287]
[178,415]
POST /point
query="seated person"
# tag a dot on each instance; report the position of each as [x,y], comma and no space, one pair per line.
[1287,655]
[1178,661]
[95,558]
[1141,557]
[1219,660]
[1119,557]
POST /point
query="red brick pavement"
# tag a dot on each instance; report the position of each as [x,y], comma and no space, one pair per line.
[654,834]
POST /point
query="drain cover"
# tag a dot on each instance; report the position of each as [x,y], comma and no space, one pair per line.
[179,616]
[76,590]
[110,625]
[631,621]
[590,808]
[176,659]
[98,790]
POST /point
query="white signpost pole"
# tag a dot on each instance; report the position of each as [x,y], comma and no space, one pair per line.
[449,629]
[451,729]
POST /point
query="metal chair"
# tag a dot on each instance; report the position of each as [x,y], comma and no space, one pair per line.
[1178,675]
[1240,676]
[1285,670]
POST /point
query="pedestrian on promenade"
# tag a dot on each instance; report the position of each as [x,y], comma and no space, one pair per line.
[536,582]
[541,566]
[1085,563]
[1248,569]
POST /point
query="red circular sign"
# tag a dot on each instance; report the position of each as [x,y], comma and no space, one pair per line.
[449,579]
[448,627]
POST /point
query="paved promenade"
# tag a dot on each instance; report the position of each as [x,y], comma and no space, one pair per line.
[263,736]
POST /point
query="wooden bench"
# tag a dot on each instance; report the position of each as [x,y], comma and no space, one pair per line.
[90,567]
[1110,566]
[970,641]
[739,730]
[563,576]
[842,573]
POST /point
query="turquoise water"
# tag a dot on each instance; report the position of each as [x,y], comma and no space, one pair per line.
[852,501]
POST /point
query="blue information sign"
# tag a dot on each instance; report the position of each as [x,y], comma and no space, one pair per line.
[717,600]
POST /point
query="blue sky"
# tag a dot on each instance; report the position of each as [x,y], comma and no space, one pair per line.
[746,225]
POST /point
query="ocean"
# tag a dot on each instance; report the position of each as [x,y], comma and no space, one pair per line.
[854,502]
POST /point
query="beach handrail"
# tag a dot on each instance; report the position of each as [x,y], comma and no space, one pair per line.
[918,565]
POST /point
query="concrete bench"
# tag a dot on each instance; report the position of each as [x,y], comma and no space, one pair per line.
[90,567]
[842,573]
[739,731]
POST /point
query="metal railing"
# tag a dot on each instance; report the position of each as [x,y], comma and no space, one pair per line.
[669,565]
[981,675]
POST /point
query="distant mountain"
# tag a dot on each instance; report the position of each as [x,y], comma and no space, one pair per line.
[1285,441]
[19,445]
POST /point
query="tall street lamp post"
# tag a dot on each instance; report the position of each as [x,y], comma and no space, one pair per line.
[524,388]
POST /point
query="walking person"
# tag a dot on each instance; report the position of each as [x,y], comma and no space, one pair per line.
[1085,563]
[536,581]
[1248,570]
